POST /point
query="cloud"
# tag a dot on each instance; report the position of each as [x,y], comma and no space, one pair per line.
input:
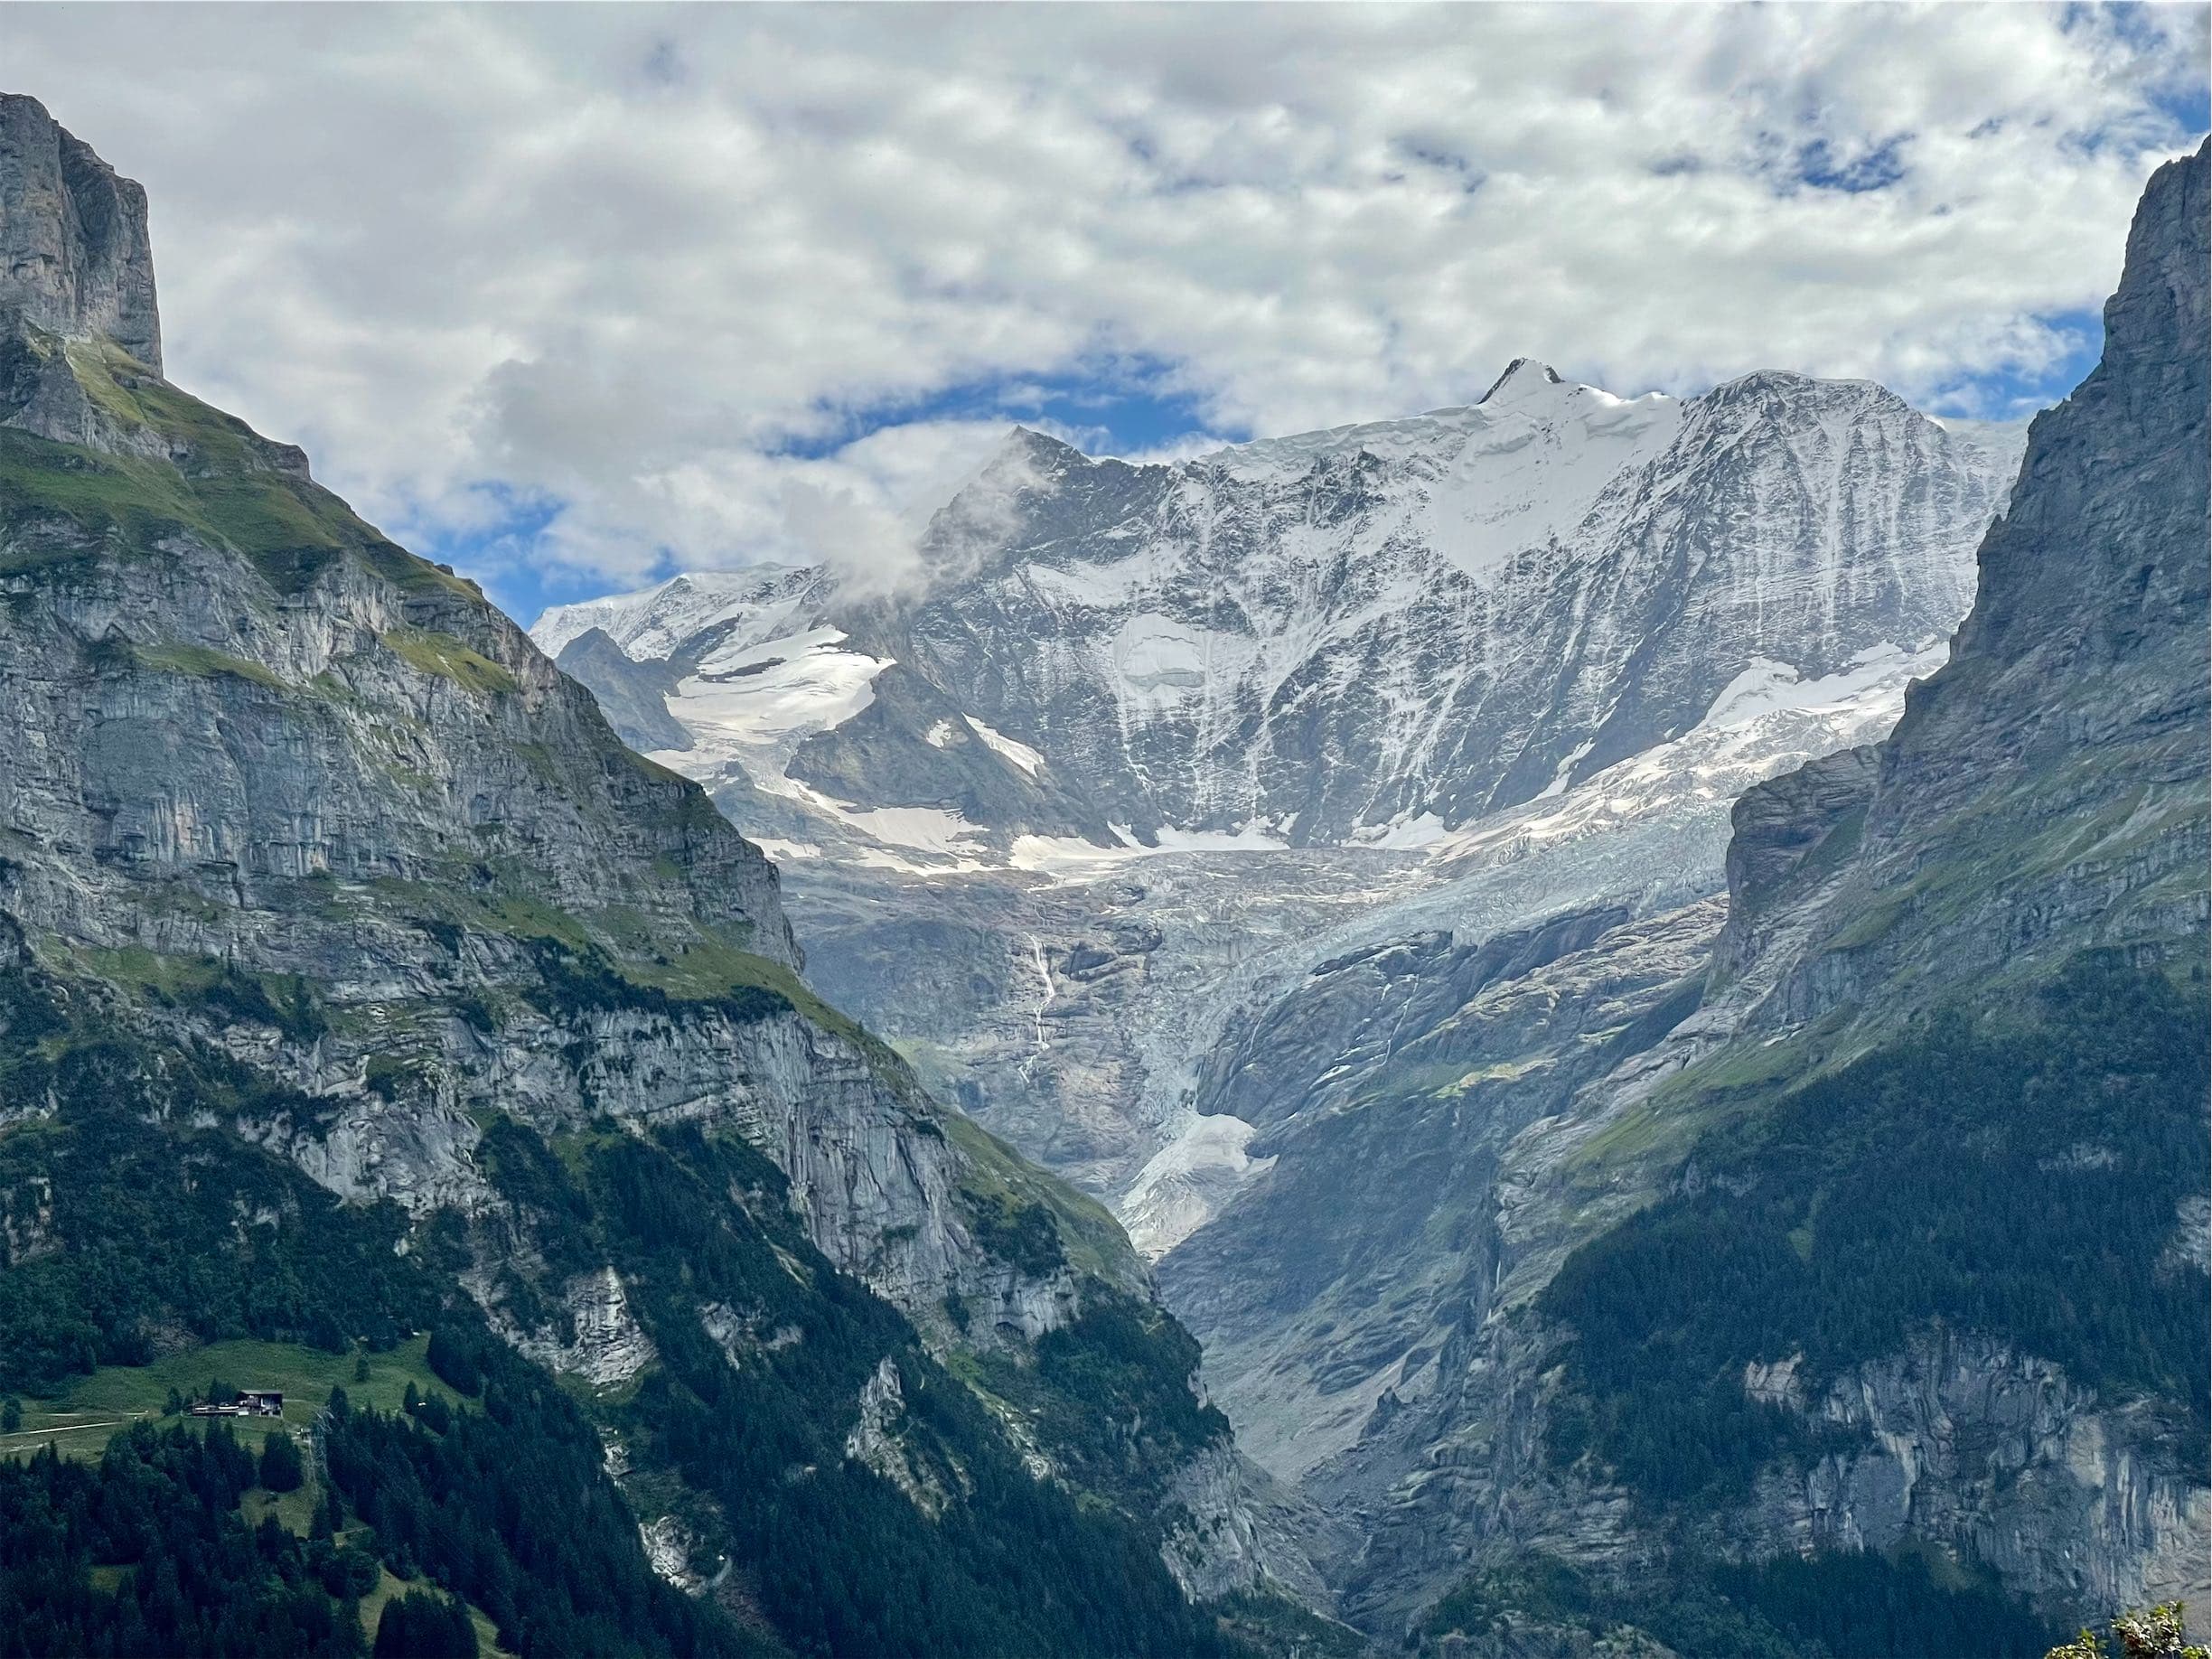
[585,291]
[862,539]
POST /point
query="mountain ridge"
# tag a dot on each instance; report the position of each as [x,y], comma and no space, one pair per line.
[1194,658]
[1454,888]
[318,875]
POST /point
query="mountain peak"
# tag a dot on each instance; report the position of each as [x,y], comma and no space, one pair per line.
[1785,393]
[74,255]
[1766,381]
[1522,375]
[1041,448]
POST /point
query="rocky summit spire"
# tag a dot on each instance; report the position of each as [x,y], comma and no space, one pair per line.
[74,258]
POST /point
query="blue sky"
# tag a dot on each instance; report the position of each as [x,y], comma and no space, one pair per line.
[1117,411]
[571,297]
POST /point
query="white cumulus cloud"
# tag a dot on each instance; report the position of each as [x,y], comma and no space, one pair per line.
[706,285]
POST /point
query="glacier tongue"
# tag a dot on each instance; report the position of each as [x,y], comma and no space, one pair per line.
[1077,1000]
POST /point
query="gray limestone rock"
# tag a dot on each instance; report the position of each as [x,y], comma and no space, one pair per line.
[632,696]
[255,745]
[74,257]
[1964,1441]
[875,1441]
[2047,788]
[604,1344]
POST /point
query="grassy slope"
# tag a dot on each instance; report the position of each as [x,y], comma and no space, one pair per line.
[1092,1238]
[388,1587]
[79,1420]
[233,491]
[110,1398]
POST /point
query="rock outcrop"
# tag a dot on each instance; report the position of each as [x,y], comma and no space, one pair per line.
[1963,1440]
[2047,788]
[74,255]
[604,1344]
[874,1440]
[1784,832]
[631,695]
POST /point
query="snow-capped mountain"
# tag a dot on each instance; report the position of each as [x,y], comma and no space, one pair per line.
[1141,823]
[738,652]
[1360,635]
[1160,739]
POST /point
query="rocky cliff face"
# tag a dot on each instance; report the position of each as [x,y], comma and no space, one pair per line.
[631,696]
[74,257]
[1964,1439]
[1776,828]
[2047,788]
[276,788]
[2044,795]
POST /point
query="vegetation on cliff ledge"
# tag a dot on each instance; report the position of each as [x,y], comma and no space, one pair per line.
[2024,1178]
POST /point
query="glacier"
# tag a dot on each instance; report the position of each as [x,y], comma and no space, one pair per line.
[1144,745]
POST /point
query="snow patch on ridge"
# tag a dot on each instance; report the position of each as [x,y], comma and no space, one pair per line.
[1020,754]
[1766,686]
[752,702]
[1516,471]
[1766,722]
[923,829]
[1403,833]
